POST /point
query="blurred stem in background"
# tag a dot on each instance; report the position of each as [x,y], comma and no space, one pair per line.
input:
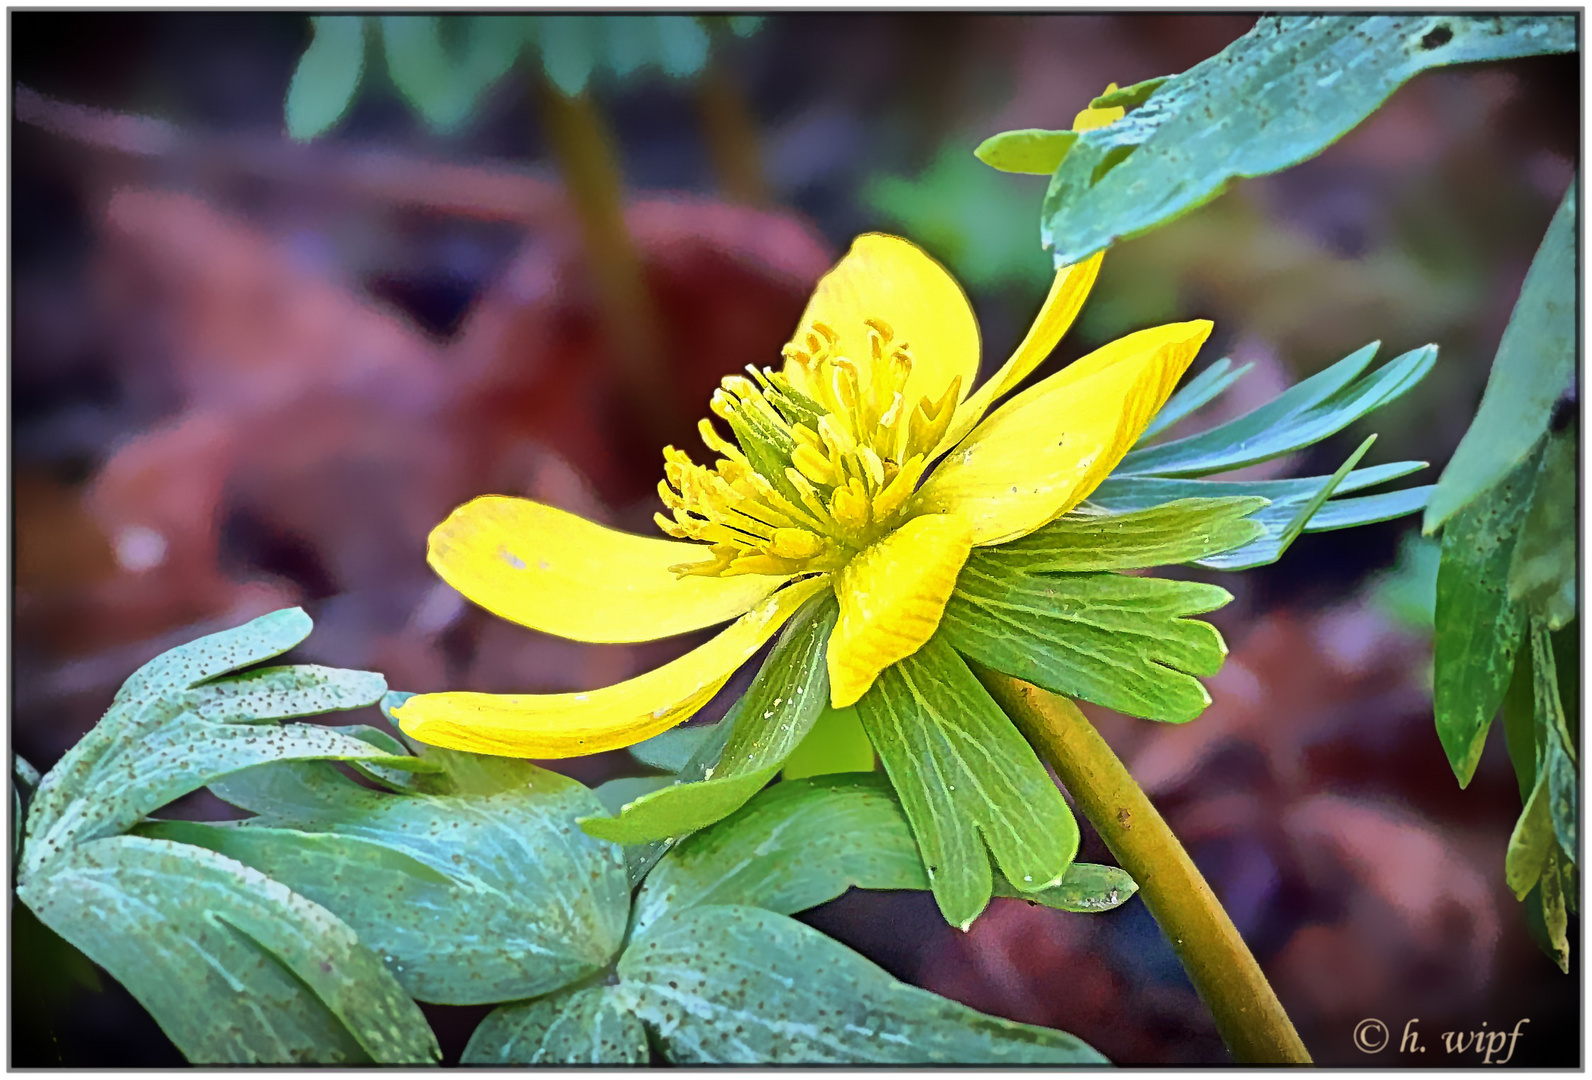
[584,151]
[1248,1015]
[731,135]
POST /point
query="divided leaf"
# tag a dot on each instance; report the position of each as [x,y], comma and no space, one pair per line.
[234,967]
[1123,642]
[1176,532]
[804,842]
[741,986]
[962,772]
[593,1026]
[472,898]
[1278,95]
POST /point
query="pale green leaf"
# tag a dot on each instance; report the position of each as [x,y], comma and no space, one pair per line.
[764,727]
[1029,150]
[669,751]
[614,794]
[1175,532]
[1554,914]
[1129,97]
[802,843]
[1128,493]
[473,898]
[1534,368]
[593,1026]
[569,50]
[234,967]
[1123,642]
[1555,759]
[1530,843]
[741,986]
[1477,626]
[442,64]
[836,744]
[327,75]
[966,778]
[1278,95]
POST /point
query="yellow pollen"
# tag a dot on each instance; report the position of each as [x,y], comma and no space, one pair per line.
[822,460]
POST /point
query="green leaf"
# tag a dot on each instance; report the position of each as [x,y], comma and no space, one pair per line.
[1554,914]
[442,65]
[978,222]
[1530,843]
[1123,642]
[1278,95]
[1533,370]
[472,898]
[767,724]
[1297,418]
[168,733]
[235,968]
[737,985]
[593,1026]
[1555,759]
[1129,97]
[683,45]
[1477,626]
[1124,494]
[836,744]
[1542,571]
[25,773]
[327,75]
[961,771]
[1282,522]
[1347,513]
[1201,390]
[669,751]
[1176,532]
[569,50]
[802,843]
[1029,150]
[614,794]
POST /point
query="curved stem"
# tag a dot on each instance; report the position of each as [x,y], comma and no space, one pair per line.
[1248,1015]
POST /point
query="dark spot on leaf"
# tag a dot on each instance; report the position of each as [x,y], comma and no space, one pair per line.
[1437,36]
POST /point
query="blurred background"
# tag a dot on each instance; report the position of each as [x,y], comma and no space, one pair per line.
[249,373]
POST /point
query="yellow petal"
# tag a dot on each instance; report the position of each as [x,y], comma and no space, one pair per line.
[1067,294]
[561,574]
[1094,118]
[891,598]
[569,725]
[1043,452]
[889,279]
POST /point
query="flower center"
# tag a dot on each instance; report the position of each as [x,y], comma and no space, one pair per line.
[824,458]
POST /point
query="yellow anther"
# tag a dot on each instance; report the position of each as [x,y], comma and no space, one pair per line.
[850,507]
[795,544]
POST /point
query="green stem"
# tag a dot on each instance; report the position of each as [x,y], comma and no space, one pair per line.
[1248,1015]
[731,135]
[585,154]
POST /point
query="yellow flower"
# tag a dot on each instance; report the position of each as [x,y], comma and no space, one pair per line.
[861,466]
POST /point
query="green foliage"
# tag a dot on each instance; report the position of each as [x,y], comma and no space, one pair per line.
[236,968]
[1199,391]
[327,75]
[764,727]
[590,1026]
[1180,531]
[968,217]
[1030,150]
[1123,642]
[1278,95]
[233,965]
[443,65]
[966,778]
[802,843]
[1408,591]
[1129,97]
[1542,571]
[454,890]
[1533,371]
[1478,627]
[725,984]
[836,744]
